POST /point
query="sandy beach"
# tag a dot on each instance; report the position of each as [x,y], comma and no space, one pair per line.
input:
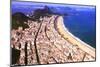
[73,39]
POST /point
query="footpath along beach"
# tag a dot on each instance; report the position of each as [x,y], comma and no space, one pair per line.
[63,31]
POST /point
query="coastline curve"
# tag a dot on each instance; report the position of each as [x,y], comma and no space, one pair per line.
[63,31]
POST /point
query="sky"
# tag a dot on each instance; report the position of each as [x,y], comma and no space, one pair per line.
[24,4]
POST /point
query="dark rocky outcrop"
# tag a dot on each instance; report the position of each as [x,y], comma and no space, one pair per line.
[18,20]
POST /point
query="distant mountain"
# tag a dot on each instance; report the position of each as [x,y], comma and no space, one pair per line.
[41,13]
[46,11]
[19,18]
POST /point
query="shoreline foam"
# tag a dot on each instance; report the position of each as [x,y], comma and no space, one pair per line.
[73,39]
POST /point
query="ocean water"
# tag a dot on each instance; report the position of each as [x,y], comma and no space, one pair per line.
[83,25]
[79,19]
